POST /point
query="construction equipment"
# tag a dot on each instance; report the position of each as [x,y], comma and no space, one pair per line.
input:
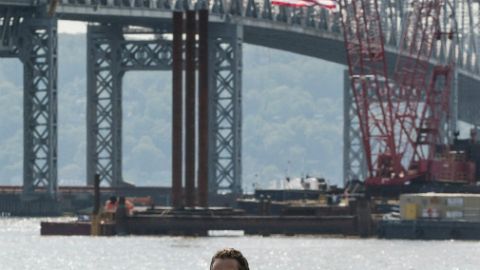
[404,120]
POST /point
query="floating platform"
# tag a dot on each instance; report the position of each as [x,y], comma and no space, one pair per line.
[250,225]
[74,228]
[201,225]
[355,219]
[198,225]
[199,221]
[428,229]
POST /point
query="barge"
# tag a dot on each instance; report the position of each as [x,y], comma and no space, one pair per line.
[428,229]
[434,216]
[354,221]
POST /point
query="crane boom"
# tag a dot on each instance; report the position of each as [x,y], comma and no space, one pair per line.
[400,119]
[411,74]
[367,67]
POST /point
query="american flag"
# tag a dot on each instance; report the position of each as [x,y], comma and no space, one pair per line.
[292,3]
[327,4]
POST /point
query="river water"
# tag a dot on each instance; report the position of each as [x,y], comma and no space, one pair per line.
[22,247]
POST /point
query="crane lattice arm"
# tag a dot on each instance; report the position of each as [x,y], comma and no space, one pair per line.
[399,119]
[367,66]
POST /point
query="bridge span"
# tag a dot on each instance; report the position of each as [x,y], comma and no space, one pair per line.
[28,30]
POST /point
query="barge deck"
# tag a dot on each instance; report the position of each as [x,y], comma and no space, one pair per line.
[428,230]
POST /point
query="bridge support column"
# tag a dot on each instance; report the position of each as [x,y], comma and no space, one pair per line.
[104,105]
[190,109]
[203,103]
[225,124]
[467,96]
[453,125]
[354,163]
[38,52]
[177,111]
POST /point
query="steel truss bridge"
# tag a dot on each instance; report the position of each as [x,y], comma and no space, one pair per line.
[28,31]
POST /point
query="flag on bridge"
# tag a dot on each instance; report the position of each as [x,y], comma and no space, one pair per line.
[292,3]
[327,4]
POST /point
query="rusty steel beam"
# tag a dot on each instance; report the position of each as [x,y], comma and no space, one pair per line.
[177,108]
[203,107]
[96,195]
[190,109]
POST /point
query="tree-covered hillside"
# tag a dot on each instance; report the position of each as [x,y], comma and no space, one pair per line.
[292,118]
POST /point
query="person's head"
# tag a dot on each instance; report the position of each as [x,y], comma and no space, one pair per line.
[228,259]
[113,199]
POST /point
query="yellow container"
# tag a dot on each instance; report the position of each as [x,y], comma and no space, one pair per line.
[410,211]
[440,206]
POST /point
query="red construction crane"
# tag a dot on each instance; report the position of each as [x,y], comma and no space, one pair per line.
[367,65]
[401,120]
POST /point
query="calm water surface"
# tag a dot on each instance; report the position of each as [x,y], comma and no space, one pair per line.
[21,247]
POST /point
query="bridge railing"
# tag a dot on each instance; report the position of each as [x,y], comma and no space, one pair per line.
[392,13]
[149,4]
[310,17]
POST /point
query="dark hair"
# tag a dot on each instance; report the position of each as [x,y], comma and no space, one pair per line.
[230,253]
[113,199]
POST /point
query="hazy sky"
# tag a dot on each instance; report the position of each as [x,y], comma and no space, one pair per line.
[72,27]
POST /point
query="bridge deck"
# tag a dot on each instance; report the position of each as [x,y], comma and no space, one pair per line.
[297,38]
[21,3]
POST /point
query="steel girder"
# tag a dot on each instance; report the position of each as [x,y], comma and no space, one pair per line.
[38,53]
[391,11]
[109,57]
[146,55]
[467,100]
[225,124]
[34,42]
[468,14]
[251,9]
[354,163]
[104,105]
[107,64]
[10,22]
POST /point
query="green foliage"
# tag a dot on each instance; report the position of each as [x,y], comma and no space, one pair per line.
[292,118]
